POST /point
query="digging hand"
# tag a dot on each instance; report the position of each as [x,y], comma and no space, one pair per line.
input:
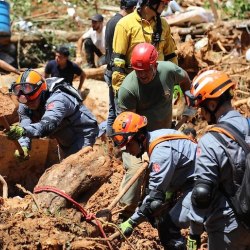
[23,157]
[15,132]
[177,94]
[127,227]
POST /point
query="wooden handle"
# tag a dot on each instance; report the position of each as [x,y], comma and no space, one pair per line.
[5,187]
[7,127]
[113,236]
[128,185]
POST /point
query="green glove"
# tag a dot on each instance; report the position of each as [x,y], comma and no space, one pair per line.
[15,132]
[168,196]
[24,157]
[127,227]
[177,93]
[193,242]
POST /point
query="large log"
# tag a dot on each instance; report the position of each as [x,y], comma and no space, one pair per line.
[80,173]
[95,73]
[28,37]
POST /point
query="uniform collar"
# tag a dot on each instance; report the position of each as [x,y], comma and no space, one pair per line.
[140,19]
[228,115]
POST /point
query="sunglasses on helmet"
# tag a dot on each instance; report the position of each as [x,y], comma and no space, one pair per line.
[192,100]
[121,139]
[24,88]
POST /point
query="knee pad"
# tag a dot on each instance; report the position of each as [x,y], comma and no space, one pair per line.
[202,194]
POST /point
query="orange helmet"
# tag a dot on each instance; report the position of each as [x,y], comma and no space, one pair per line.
[125,126]
[29,85]
[144,55]
[209,84]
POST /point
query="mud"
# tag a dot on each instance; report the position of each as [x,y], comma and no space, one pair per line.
[24,225]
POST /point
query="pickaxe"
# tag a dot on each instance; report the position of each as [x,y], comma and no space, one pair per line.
[106,213]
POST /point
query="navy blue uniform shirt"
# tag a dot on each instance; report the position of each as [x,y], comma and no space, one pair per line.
[67,73]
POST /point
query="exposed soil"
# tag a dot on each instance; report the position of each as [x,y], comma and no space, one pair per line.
[25,226]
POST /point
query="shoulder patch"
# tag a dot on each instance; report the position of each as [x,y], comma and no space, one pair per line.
[156,167]
[50,106]
[198,152]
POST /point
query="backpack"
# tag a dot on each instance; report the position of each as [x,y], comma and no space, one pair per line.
[240,201]
[55,83]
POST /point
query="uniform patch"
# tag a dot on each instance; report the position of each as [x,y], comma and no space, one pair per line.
[156,167]
[50,106]
[198,151]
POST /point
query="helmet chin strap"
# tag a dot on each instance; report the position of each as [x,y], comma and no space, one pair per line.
[142,150]
[140,139]
[213,119]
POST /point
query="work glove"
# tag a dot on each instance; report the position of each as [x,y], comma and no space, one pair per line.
[193,242]
[22,157]
[189,112]
[168,196]
[15,132]
[177,93]
[127,227]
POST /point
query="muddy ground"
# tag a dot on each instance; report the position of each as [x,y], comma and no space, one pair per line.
[26,225]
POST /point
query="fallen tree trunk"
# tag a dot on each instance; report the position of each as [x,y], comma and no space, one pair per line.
[80,173]
[28,37]
[95,73]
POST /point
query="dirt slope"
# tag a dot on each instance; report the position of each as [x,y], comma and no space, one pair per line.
[24,226]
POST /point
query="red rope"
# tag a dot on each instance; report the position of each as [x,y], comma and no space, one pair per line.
[88,216]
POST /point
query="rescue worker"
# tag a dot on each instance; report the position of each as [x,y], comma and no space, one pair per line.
[63,67]
[212,92]
[47,111]
[148,91]
[93,42]
[171,165]
[126,7]
[143,25]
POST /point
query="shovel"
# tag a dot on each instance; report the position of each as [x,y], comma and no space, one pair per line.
[7,127]
[106,213]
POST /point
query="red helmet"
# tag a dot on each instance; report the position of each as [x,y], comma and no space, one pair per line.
[144,56]
[125,126]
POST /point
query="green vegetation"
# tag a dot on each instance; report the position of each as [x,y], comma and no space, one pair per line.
[52,15]
[237,8]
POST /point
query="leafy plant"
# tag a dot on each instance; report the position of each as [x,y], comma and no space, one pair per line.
[237,8]
[233,8]
[36,12]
